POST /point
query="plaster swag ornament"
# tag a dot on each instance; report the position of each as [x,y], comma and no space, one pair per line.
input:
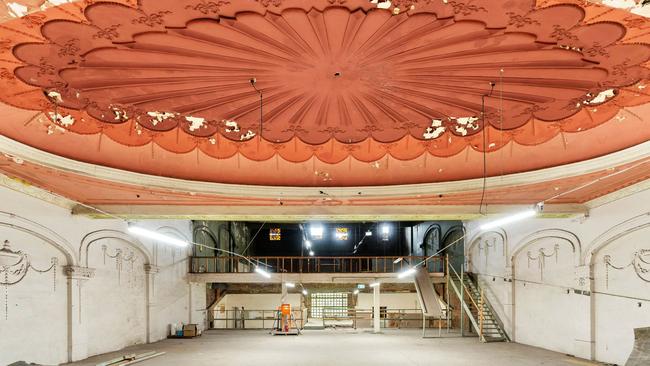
[541,258]
[14,266]
[485,248]
[121,257]
[640,263]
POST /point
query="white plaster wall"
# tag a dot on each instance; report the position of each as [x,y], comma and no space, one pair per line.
[23,317]
[538,310]
[119,315]
[252,304]
[616,310]
[391,301]
[108,313]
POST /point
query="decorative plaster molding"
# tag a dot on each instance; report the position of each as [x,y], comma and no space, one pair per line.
[79,273]
[23,187]
[27,153]
[151,269]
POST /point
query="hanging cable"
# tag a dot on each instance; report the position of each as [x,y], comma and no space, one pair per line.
[253,82]
[480,207]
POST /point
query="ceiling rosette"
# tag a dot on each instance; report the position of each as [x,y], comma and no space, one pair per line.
[339,78]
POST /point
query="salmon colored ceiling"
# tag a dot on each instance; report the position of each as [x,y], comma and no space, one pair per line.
[352,94]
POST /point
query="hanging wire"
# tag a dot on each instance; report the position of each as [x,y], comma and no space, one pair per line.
[484,133]
[465,235]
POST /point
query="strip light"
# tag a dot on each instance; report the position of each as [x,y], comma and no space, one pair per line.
[157,236]
[374,284]
[509,219]
[406,273]
[290,284]
[262,272]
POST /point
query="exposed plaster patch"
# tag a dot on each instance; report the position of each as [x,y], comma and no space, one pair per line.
[434,131]
[212,140]
[381,5]
[160,116]
[249,135]
[231,126]
[55,96]
[66,121]
[120,114]
[602,97]
[196,122]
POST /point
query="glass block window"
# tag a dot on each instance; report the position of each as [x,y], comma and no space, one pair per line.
[329,304]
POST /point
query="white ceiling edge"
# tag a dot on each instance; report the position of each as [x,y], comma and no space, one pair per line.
[36,192]
[39,157]
[619,194]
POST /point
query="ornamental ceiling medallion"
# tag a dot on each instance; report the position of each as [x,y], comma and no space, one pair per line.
[177,72]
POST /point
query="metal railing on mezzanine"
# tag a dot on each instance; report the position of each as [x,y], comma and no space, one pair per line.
[351,264]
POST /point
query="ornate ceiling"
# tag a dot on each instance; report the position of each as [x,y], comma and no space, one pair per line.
[353,94]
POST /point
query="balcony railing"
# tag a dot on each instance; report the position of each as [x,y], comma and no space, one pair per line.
[232,264]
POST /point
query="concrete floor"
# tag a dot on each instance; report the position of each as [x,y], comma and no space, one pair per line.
[339,347]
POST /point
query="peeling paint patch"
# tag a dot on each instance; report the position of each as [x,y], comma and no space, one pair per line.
[160,116]
[382,4]
[66,121]
[55,96]
[602,97]
[212,140]
[195,122]
[120,114]
[249,135]
[435,130]
[231,126]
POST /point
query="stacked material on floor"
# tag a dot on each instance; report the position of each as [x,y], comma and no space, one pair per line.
[131,359]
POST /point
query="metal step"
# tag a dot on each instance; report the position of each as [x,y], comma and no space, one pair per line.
[490,327]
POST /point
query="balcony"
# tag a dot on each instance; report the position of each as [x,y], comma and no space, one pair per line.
[232,269]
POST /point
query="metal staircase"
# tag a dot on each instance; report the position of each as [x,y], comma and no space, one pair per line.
[475,305]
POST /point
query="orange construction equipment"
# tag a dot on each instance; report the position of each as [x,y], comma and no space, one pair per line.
[284,323]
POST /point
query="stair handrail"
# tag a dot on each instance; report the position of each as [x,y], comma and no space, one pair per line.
[463,290]
[495,315]
[464,287]
[481,317]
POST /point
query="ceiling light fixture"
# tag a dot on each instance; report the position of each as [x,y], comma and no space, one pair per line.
[398,260]
[316,231]
[406,273]
[307,244]
[262,272]
[374,284]
[311,253]
[509,219]
[157,236]
[385,229]
[368,233]
[290,284]
[304,292]
[356,291]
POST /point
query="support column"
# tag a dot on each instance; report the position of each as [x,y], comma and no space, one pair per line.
[150,271]
[77,327]
[376,309]
[584,345]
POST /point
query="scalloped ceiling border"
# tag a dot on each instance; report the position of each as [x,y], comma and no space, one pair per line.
[27,153]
